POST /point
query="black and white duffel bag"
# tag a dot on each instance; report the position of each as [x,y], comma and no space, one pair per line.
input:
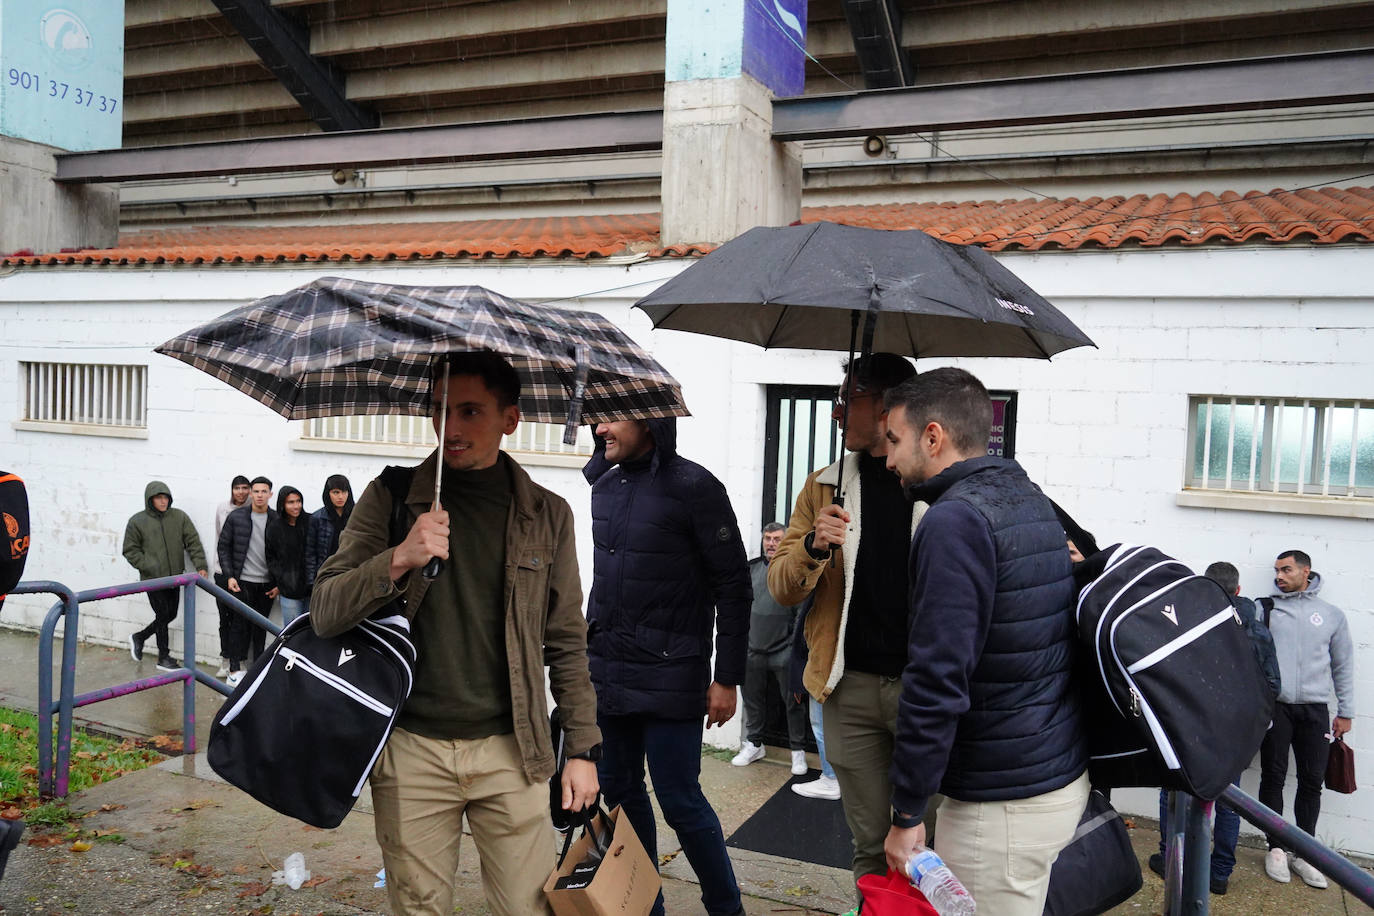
[303,729]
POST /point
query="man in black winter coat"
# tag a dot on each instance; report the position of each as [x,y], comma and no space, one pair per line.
[243,558]
[989,712]
[669,562]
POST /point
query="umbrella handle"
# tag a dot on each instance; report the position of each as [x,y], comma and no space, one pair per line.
[432,569]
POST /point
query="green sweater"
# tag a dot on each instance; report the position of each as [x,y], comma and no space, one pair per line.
[460,626]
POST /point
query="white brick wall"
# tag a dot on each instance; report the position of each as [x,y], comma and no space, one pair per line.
[1103,430]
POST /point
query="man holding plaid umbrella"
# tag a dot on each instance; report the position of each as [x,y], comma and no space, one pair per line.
[473,736]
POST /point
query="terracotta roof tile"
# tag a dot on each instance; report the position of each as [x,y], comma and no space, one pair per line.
[1312,216]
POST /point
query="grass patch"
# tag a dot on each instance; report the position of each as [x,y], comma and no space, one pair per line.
[94,759]
[720,753]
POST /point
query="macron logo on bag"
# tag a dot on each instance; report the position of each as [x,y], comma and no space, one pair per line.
[345,655]
[1170,613]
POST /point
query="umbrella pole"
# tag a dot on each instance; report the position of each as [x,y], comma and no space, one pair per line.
[436,565]
[848,385]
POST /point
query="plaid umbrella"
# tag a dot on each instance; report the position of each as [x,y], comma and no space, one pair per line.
[339,347]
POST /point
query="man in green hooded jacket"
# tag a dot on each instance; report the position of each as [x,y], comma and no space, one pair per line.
[156,542]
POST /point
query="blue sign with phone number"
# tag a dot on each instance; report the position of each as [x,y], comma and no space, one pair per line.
[62,73]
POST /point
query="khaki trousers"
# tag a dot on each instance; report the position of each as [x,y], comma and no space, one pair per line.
[860,725]
[422,788]
[1002,851]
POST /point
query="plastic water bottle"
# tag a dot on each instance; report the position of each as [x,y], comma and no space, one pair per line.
[295,871]
[945,893]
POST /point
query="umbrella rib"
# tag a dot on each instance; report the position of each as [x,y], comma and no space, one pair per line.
[768,341]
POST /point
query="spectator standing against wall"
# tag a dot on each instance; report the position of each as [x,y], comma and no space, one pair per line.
[327,524]
[770,650]
[238,496]
[1315,652]
[287,535]
[156,542]
[668,564]
[243,557]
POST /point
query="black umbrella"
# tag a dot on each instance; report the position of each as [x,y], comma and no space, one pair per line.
[807,286]
[344,347]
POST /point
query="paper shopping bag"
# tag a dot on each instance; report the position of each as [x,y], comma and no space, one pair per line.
[613,877]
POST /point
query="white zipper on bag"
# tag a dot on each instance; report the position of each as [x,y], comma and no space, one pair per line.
[295,660]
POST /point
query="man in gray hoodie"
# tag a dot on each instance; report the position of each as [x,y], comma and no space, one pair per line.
[1315,651]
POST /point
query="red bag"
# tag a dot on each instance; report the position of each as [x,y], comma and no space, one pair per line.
[892,895]
[1340,767]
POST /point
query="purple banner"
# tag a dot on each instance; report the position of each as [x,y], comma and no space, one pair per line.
[774,44]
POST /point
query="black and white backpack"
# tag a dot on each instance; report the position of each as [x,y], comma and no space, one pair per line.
[305,726]
[1176,697]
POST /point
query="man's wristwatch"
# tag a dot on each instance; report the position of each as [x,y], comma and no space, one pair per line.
[592,753]
[809,542]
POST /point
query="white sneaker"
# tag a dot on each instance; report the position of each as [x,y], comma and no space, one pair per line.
[1310,876]
[799,766]
[234,679]
[748,753]
[1276,866]
[826,787]
[223,671]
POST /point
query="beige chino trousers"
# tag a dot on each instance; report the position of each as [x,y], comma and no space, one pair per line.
[422,788]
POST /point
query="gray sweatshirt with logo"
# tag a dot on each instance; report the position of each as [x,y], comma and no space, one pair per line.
[1312,639]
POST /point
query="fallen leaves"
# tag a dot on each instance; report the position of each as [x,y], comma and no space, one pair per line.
[166,743]
[253,889]
[80,846]
[46,840]
[11,814]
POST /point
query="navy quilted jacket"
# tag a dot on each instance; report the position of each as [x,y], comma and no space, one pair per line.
[669,568]
[989,709]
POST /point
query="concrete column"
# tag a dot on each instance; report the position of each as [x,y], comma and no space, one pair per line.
[722,171]
[42,215]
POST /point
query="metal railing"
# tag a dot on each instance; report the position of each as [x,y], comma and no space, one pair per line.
[53,773]
[1188,851]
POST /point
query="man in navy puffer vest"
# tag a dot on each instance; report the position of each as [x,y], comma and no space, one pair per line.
[989,712]
[669,563]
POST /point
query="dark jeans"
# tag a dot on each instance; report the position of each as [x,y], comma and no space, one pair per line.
[756,698]
[1302,727]
[1225,833]
[164,612]
[248,638]
[673,750]
[227,616]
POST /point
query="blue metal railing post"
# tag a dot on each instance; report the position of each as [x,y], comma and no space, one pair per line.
[68,607]
[188,659]
[1329,862]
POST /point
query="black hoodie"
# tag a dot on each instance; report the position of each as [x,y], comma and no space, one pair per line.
[286,548]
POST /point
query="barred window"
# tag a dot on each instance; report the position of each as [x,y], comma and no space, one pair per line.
[1294,447]
[69,396]
[528,438]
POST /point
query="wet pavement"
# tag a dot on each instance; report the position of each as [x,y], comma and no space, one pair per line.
[178,840]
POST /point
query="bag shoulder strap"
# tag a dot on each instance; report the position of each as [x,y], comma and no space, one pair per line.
[1268,605]
[397,480]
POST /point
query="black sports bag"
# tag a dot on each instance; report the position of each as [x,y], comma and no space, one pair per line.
[1176,697]
[304,728]
[1098,869]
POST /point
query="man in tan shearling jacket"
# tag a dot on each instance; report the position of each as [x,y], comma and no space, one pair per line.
[855,559]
